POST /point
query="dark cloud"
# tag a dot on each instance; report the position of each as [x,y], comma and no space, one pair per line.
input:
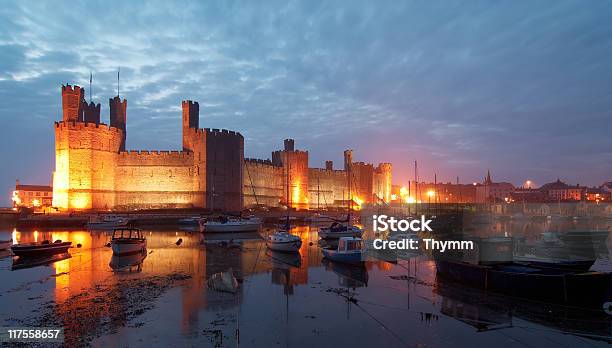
[522,88]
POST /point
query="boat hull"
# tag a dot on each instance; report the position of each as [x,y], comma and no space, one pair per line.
[34,250]
[106,225]
[326,233]
[128,247]
[344,257]
[229,227]
[291,246]
[589,289]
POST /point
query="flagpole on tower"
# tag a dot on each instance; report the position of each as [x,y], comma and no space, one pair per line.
[90,92]
[118,71]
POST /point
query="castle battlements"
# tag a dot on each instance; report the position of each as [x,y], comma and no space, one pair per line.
[261,162]
[327,171]
[221,132]
[79,125]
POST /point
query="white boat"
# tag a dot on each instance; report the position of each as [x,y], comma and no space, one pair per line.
[283,241]
[226,225]
[338,230]
[128,241]
[107,222]
[349,250]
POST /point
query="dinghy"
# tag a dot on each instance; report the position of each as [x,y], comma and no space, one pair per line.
[40,248]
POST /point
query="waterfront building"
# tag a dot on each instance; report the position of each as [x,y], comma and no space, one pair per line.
[32,195]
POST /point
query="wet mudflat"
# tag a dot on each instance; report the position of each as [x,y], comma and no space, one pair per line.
[162,298]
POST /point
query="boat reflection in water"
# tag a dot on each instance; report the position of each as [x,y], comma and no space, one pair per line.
[486,311]
[350,276]
[284,260]
[29,262]
[128,263]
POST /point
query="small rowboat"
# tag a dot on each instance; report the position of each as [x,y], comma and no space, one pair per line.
[128,241]
[40,249]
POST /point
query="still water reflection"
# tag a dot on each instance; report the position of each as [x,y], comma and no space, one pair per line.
[161,297]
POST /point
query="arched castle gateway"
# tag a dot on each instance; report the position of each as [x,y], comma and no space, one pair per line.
[93,169]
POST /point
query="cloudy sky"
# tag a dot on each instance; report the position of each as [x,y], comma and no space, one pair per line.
[523,88]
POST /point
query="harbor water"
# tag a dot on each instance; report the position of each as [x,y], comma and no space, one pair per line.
[162,298]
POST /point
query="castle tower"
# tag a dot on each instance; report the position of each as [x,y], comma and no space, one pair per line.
[72,98]
[382,184]
[296,162]
[348,159]
[118,116]
[91,112]
[289,144]
[329,165]
[191,120]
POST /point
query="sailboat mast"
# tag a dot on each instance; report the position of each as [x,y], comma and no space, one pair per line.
[350,196]
[289,198]
[416,187]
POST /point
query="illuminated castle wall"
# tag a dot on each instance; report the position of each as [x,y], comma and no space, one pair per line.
[93,170]
[265,181]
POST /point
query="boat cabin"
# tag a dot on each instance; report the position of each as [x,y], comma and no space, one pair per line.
[128,233]
[349,244]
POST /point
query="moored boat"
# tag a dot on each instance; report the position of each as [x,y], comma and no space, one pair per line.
[228,225]
[40,248]
[283,241]
[349,250]
[338,230]
[189,221]
[128,241]
[563,286]
[107,222]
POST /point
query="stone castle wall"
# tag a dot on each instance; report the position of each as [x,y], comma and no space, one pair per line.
[328,188]
[263,183]
[155,179]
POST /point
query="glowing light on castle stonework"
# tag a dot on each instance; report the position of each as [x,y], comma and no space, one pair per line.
[15,198]
[358,202]
[60,180]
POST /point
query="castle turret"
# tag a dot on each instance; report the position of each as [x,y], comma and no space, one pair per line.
[71,103]
[289,144]
[191,120]
[348,159]
[91,112]
[118,116]
[329,165]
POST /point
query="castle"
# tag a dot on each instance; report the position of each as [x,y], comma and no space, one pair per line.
[93,169]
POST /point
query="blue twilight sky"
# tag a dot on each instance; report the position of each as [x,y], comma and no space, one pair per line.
[521,87]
